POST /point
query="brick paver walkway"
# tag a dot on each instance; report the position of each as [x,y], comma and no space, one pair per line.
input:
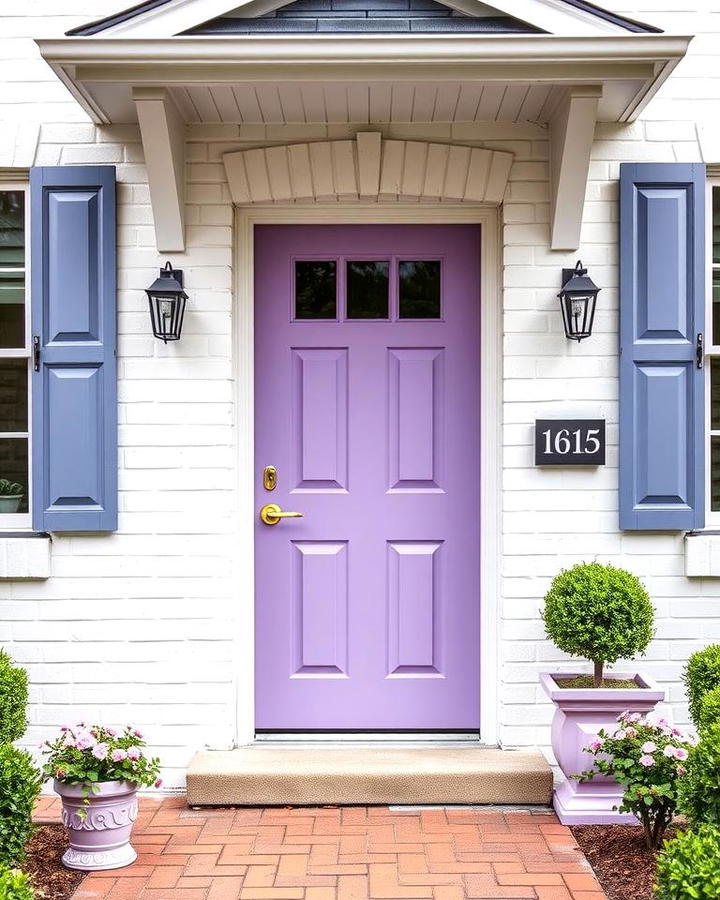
[349,853]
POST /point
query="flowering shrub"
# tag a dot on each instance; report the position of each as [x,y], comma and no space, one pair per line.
[88,754]
[646,756]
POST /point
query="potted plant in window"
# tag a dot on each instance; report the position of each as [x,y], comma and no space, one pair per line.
[97,771]
[603,614]
[11,493]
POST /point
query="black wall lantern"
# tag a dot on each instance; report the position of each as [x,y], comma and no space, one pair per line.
[167,304]
[577,302]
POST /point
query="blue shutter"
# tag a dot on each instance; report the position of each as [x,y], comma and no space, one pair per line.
[74,389]
[662,311]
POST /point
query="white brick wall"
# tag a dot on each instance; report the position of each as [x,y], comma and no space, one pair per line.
[140,625]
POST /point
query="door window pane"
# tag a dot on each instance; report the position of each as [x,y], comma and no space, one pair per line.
[715,474]
[315,289]
[12,228]
[12,309]
[13,395]
[419,289]
[368,289]
[716,306]
[14,469]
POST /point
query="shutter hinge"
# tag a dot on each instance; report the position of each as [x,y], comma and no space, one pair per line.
[36,353]
[699,350]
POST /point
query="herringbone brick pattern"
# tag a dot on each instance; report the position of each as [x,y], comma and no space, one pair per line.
[348,853]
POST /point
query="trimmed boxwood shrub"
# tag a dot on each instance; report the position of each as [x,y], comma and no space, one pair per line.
[701,675]
[15,885]
[699,794]
[688,867]
[20,784]
[710,709]
[599,612]
[13,700]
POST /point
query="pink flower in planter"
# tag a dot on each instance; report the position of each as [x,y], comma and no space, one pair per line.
[111,731]
[158,783]
[669,751]
[630,732]
[620,734]
[60,773]
[118,755]
[100,751]
[648,747]
[595,745]
[647,760]
[134,753]
[681,753]
[85,741]
[138,734]
[681,770]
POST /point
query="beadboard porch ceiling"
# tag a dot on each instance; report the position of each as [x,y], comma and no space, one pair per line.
[367,104]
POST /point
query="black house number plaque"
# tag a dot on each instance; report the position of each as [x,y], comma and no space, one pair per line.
[570,442]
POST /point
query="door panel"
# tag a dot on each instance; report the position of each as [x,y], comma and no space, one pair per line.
[367,402]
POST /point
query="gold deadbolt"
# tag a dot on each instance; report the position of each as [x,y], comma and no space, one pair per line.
[271,514]
[269,478]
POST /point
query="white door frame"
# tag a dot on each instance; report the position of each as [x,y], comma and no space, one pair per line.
[490,425]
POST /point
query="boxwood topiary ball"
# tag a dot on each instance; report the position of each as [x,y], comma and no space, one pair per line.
[598,612]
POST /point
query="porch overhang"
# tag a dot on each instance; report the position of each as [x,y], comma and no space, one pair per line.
[561,83]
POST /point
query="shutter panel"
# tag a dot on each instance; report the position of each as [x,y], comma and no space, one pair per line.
[74,391]
[662,310]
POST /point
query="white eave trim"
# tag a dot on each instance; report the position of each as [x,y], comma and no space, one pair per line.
[283,49]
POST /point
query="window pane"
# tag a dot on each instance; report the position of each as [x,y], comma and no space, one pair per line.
[716,307]
[13,395]
[367,290]
[12,309]
[716,224]
[315,290]
[12,228]
[420,290]
[14,468]
[715,394]
[715,474]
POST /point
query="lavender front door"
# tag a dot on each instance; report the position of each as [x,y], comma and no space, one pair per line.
[367,404]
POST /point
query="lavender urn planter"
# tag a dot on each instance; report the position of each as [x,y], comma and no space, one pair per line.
[580,713]
[102,839]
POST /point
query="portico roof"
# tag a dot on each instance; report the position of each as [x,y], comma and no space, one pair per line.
[562,64]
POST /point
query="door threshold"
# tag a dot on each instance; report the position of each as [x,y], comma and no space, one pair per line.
[365,737]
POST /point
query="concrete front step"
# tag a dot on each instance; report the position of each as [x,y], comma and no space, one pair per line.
[280,775]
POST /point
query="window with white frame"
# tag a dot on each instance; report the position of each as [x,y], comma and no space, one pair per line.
[14,358]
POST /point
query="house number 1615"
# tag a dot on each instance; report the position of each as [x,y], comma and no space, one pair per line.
[570,442]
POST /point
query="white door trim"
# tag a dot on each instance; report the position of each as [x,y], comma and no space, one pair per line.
[490,424]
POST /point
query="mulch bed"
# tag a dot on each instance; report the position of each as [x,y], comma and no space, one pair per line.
[622,863]
[52,881]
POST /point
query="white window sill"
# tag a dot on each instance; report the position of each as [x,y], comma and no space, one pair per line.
[24,556]
[702,554]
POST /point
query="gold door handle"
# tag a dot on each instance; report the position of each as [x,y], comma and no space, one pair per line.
[271,514]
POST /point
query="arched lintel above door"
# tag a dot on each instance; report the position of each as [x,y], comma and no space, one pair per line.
[370,168]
